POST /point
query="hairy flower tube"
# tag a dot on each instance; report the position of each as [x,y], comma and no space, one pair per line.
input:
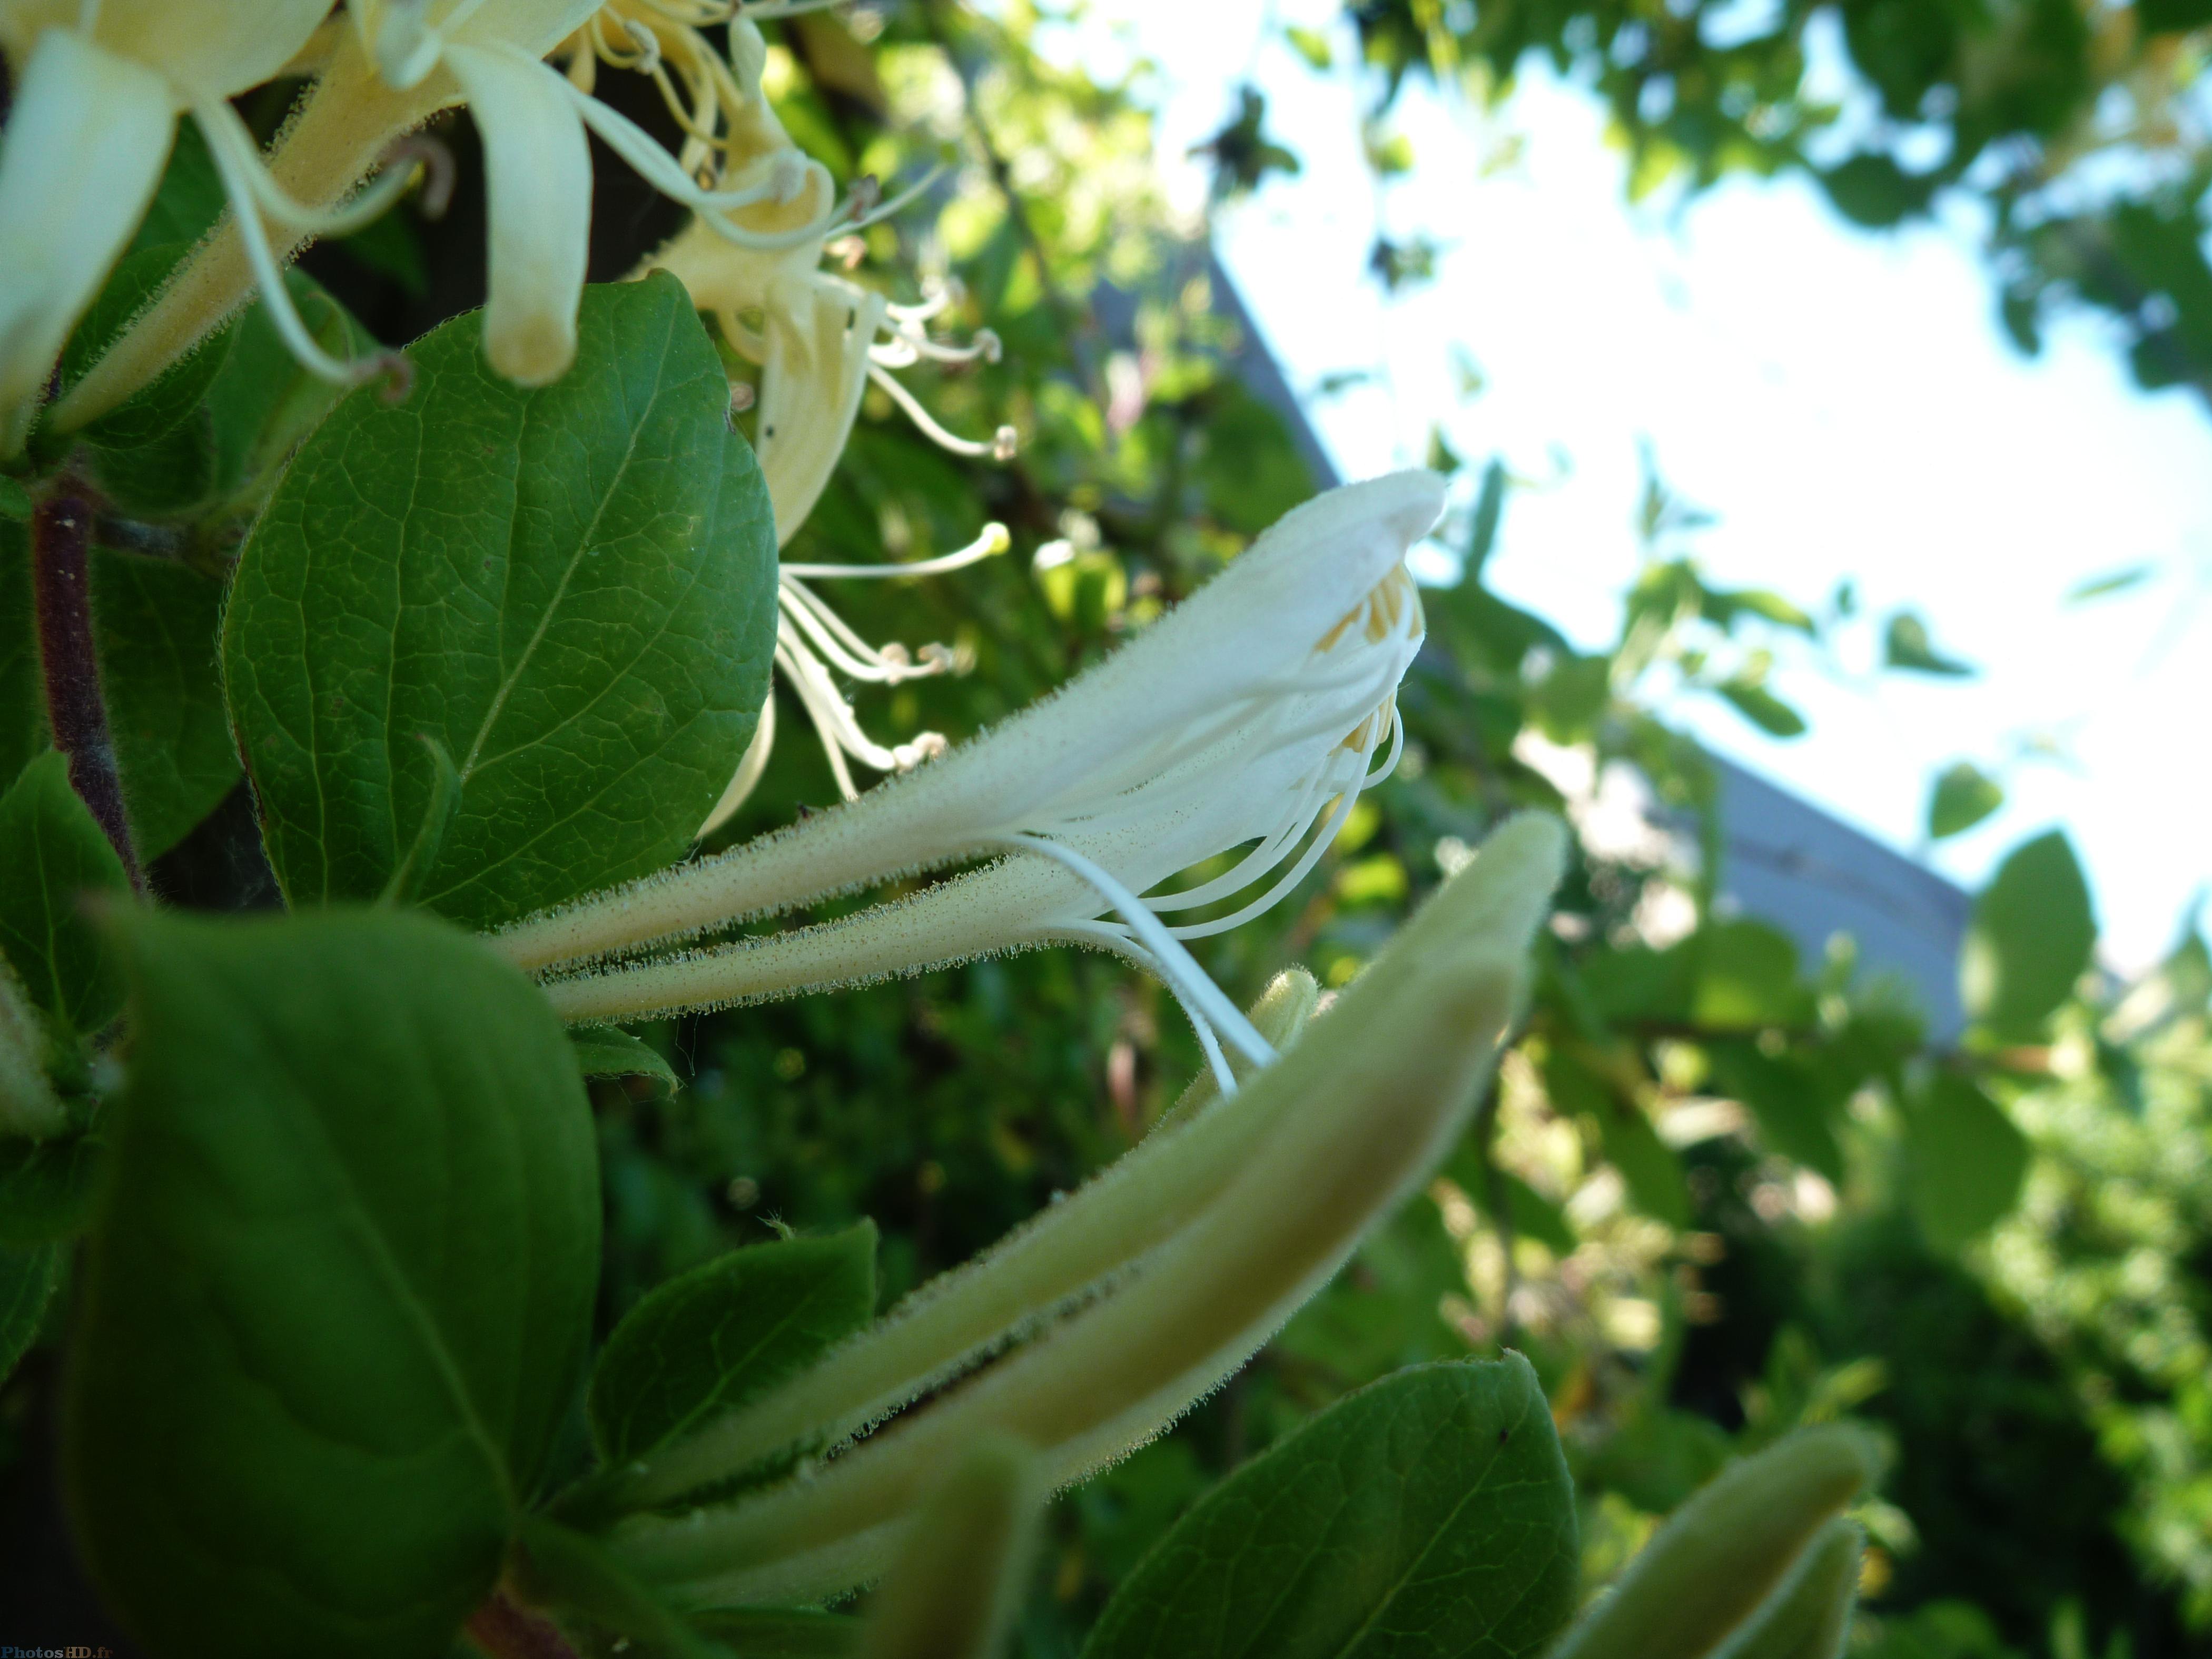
[1296,1168]
[399,63]
[1250,716]
[98,89]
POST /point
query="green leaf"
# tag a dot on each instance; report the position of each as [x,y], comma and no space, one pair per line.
[2030,939]
[155,410]
[1872,190]
[190,198]
[1648,1166]
[1747,978]
[1962,797]
[47,1187]
[1530,1213]
[217,463]
[28,1274]
[1482,524]
[15,500]
[154,625]
[1968,1160]
[1764,709]
[579,602]
[575,1574]
[54,855]
[23,732]
[1657,1458]
[2172,16]
[722,1333]
[604,1051]
[1310,45]
[340,1290]
[1427,1514]
[1906,645]
[1795,1099]
[2115,581]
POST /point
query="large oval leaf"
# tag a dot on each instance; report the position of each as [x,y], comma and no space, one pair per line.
[571,590]
[339,1288]
[1428,1515]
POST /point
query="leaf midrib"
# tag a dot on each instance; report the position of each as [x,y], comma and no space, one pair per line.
[584,543]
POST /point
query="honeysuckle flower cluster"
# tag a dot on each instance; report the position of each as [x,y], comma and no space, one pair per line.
[1250,717]
[1090,1330]
[380,72]
[101,83]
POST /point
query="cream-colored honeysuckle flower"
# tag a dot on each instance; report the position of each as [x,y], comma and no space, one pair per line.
[1267,1195]
[99,86]
[399,63]
[1250,716]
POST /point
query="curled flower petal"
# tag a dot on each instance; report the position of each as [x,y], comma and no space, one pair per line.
[539,170]
[84,147]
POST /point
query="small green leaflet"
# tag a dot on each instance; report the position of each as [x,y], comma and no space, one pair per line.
[723,1332]
[155,623]
[28,1274]
[604,1051]
[55,857]
[2030,939]
[1968,1160]
[1963,795]
[572,589]
[1428,1514]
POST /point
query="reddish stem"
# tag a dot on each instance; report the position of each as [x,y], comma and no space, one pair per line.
[507,1631]
[61,545]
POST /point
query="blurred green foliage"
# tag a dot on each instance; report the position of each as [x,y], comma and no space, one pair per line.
[2076,130]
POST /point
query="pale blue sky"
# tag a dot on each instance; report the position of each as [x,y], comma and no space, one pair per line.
[1845,402]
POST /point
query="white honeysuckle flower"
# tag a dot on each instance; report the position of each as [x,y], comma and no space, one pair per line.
[1250,716]
[1266,1196]
[398,63]
[98,88]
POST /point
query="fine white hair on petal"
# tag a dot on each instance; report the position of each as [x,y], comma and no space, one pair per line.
[1292,651]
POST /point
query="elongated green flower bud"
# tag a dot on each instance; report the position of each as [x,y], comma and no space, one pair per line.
[956,1586]
[959,1319]
[1810,1615]
[1356,1116]
[1724,1552]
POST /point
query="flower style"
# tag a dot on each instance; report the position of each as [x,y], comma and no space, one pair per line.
[98,90]
[1250,714]
[1122,1313]
[396,63]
